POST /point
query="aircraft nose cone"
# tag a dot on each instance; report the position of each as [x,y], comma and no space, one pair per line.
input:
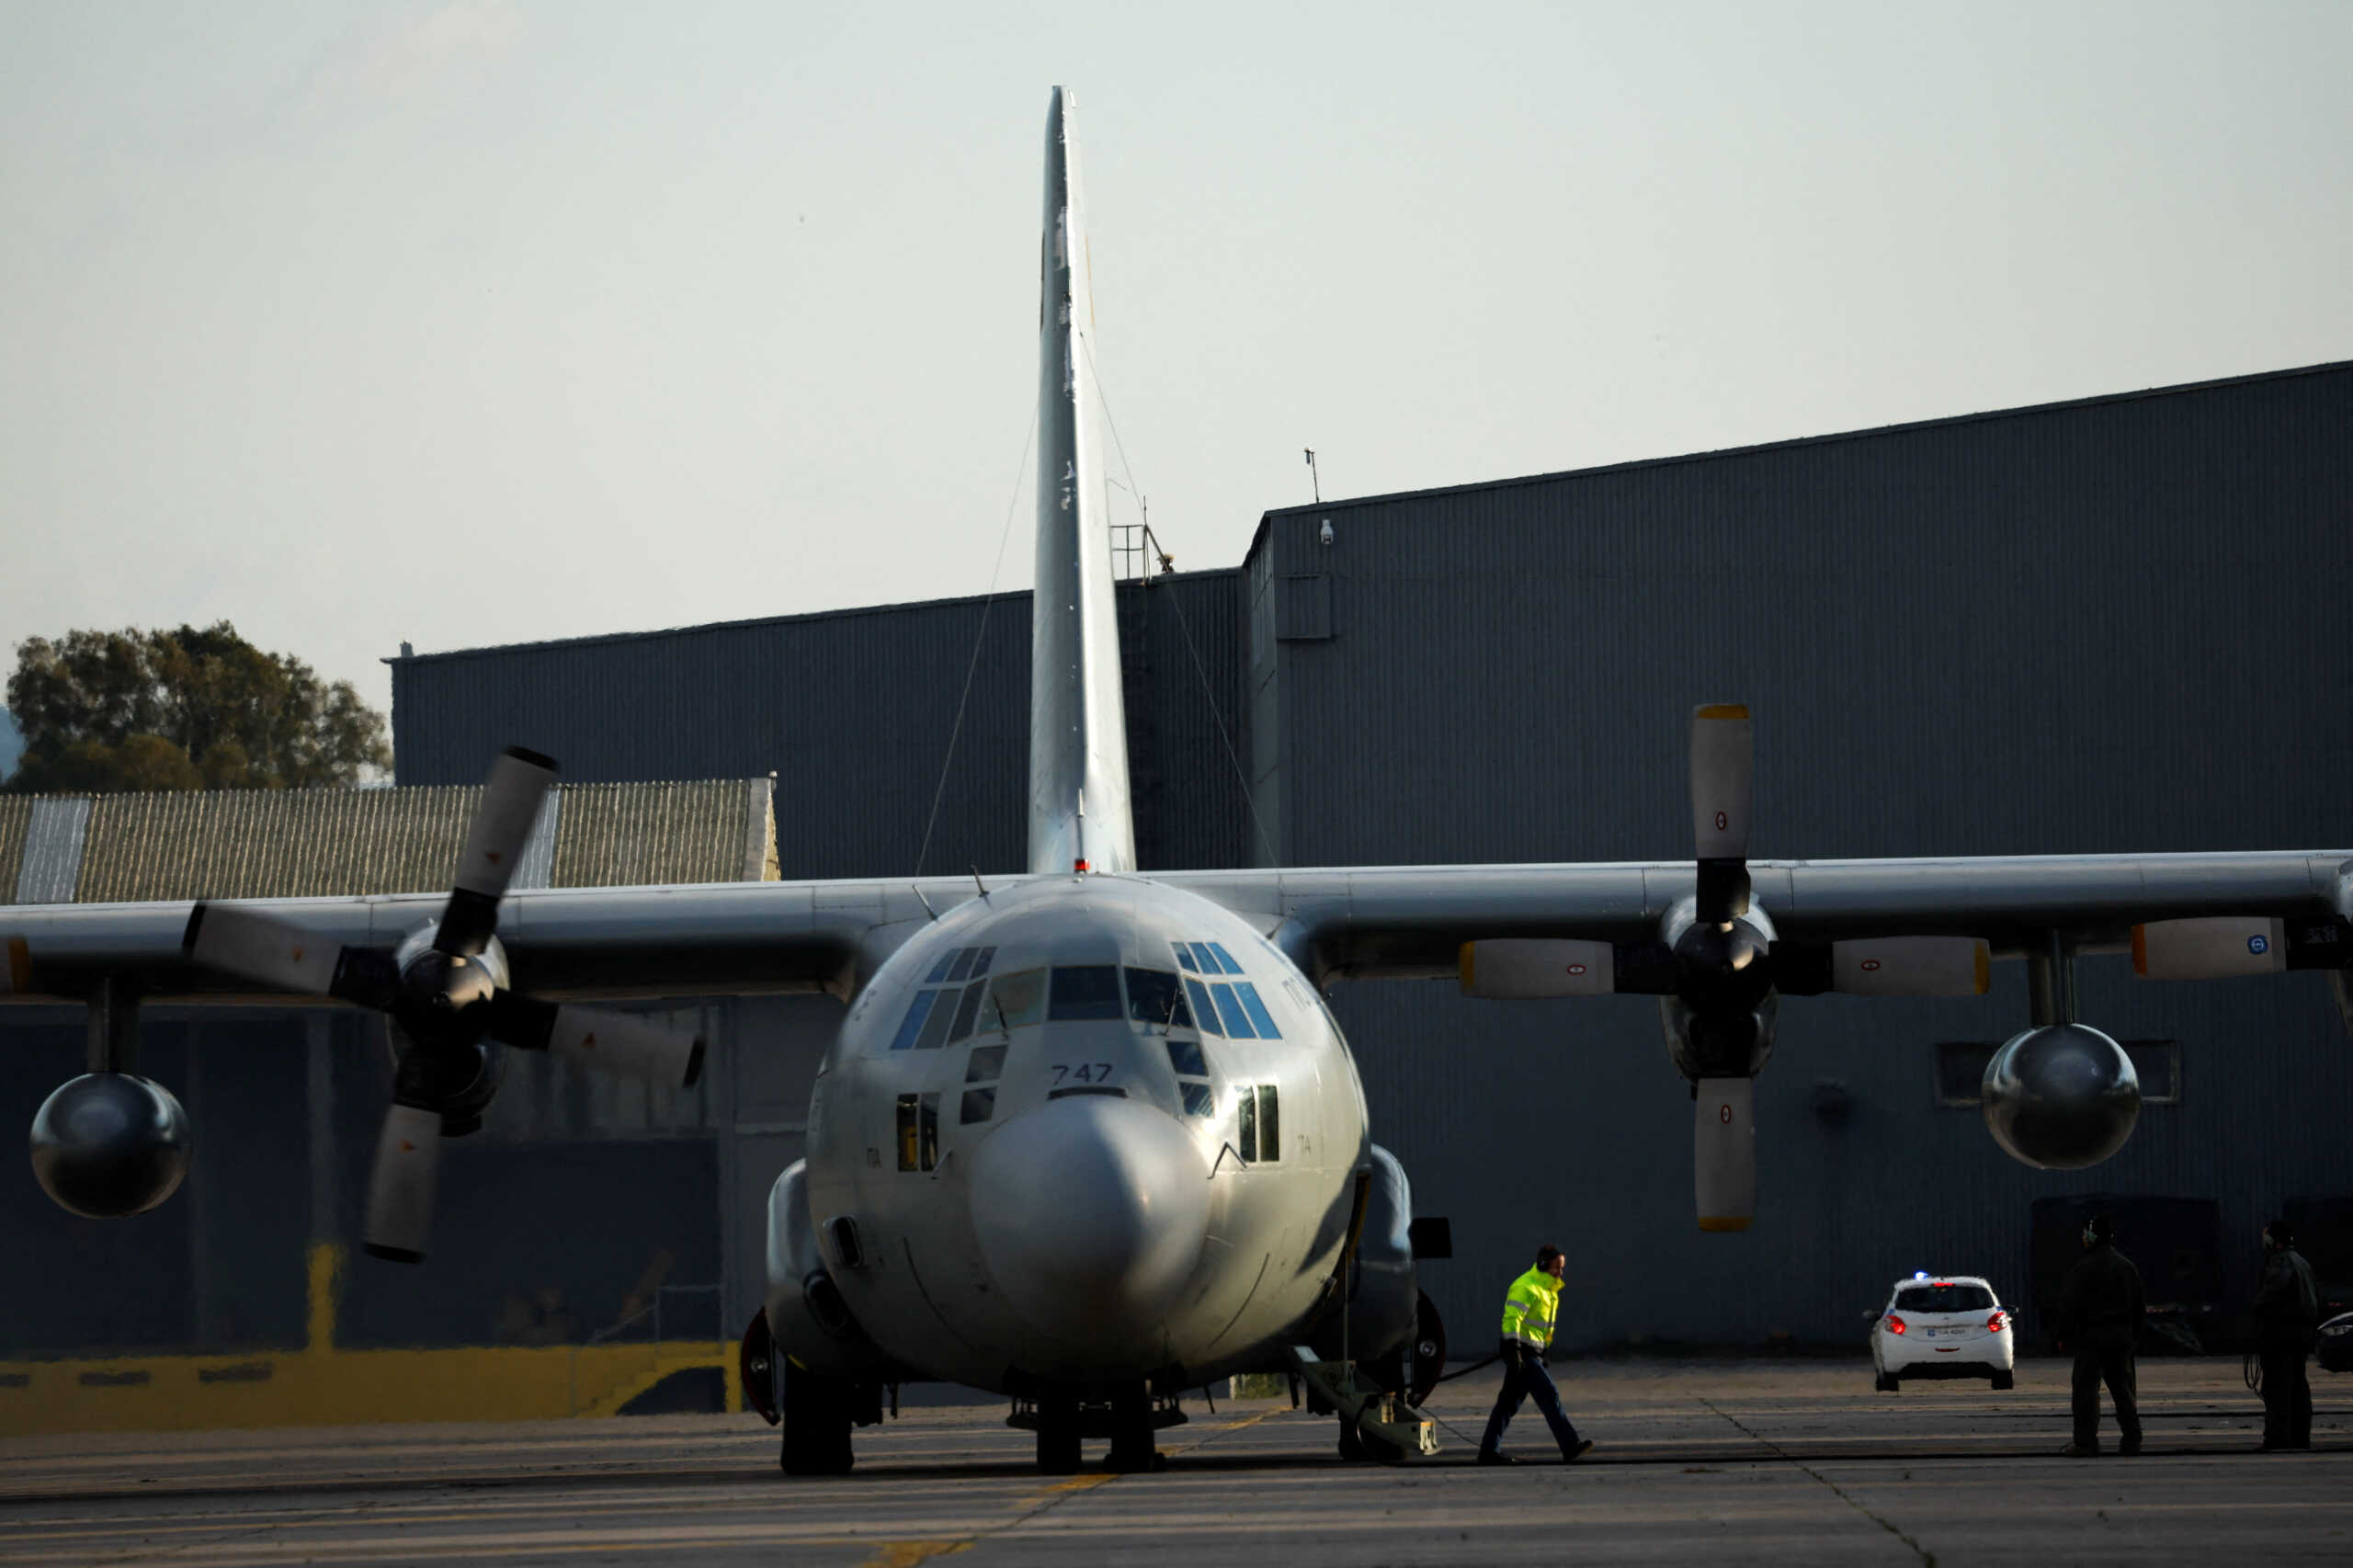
[1090,1211]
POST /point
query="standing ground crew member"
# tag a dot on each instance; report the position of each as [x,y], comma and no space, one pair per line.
[2287,1305]
[1530,1309]
[2099,1319]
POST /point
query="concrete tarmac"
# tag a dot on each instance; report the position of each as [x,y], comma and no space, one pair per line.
[1734,1461]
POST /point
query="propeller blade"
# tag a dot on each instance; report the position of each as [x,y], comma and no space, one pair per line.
[1912,966]
[1723,1154]
[613,1042]
[399,1189]
[259,947]
[502,826]
[1722,751]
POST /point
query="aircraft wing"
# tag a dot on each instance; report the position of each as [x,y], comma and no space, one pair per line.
[701,939]
[1400,922]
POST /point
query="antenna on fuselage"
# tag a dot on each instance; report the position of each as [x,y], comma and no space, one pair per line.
[924,901]
[978,883]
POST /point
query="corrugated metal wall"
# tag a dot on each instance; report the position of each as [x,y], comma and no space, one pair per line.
[2101,627]
[854,712]
[329,843]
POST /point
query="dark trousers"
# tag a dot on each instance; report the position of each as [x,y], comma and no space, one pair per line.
[1525,1378]
[2287,1393]
[2111,1364]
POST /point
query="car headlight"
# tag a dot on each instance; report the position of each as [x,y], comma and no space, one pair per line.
[2335,1329]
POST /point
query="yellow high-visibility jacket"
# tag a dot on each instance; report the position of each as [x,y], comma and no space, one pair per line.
[1530,1308]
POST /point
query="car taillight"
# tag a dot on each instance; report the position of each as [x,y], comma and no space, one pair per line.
[1994,1324]
[1894,1323]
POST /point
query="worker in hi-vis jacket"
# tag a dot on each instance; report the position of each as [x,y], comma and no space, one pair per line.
[1530,1309]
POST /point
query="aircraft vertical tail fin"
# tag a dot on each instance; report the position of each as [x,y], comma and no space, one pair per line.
[1079,813]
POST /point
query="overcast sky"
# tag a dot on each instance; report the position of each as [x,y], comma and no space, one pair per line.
[500,320]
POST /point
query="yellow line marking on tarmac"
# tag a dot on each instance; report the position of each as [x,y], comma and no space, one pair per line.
[907,1553]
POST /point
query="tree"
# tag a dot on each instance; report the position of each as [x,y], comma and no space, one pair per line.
[192,709]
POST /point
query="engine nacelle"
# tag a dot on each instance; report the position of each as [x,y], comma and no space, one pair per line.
[2060,1097]
[108,1145]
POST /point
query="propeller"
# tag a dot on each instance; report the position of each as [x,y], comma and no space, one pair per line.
[1720,969]
[445,1000]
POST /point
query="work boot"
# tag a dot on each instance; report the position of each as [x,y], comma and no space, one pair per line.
[1493,1456]
[2081,1451]
[1585,1446]
[2130,1447]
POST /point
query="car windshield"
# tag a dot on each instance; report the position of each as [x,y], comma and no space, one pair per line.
[1944,1299]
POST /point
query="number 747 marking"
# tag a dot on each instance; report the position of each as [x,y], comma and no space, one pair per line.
[1084,1072]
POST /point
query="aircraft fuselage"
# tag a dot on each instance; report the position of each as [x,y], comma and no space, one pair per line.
[1087,1128]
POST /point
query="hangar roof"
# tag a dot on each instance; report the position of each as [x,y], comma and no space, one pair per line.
[321,842]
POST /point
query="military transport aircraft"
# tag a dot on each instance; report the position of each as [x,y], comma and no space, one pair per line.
[1090,1136]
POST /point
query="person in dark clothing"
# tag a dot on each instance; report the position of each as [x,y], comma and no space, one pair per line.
[2099,1319]
[2286,1306]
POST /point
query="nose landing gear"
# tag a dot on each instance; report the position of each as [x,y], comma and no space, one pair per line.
[1128,1417]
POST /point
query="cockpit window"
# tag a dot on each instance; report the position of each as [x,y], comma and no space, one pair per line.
[1015,1000]
[1224,958]
[1184,952]
[980,958]
[913,1026]
[986,1065]
[1230,1009]
[965,1011]
[935,1028]
[1156,998]
[1260,1019]
[1084,991]
[1204,1012]
[1185,1056]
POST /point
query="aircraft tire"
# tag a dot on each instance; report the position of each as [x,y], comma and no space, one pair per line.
[1057,1450]
[816,1424]
[1351,1440]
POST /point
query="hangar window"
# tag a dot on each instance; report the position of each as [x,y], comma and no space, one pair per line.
[1083,992]
[1155,999]
[918,1128]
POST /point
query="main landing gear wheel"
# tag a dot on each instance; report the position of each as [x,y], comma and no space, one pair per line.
[1132,1450]
[1057,1436]
[1886,1382]
[816,1423]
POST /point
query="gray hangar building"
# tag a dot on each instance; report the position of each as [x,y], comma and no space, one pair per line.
[2108,625]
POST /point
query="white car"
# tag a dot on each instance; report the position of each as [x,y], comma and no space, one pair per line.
[1945,1325]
